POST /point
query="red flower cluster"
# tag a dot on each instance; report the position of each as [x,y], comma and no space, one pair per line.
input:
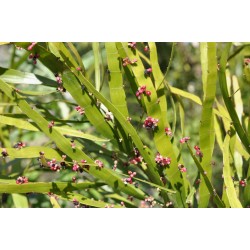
[142,90]
[150,200]
[75,167]
[60,87]
[51,124]
[243,183]
[146,48]
[184,139]
[21,180]
[137,159]
[132,45]
[80,110]
[148,71]
[182,168]
[58,78]
[198,151]
[168,131]
[72,144]
[99,163]
[53,165]
[76,203]
[4,153]
[130,178]
[34,57]
[150,123]
[108,116]
[247,61]
[31,45]
[19,145]
[162,161]
[126,61]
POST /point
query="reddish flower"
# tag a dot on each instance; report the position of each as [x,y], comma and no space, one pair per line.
[34,57]
[80,110]
[146,48]
[108,116]
[19,145]
[168,131]
[243,183]
[182,168]
[61,89]
[99,163]
[150,200]
[247,61]
[76,203]
[130,178]
[72,144]
[31,46]
[148,71]
[198,151]
[53,165]
[21,180]
[51,124]
[133,61]
[184,139]
[150,123]
[136,160]
[132,45]
[162,161]
[126,61]
[148,93]
[4,153]
[75,166]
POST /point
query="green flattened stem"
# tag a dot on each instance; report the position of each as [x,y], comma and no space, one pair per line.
[207,132]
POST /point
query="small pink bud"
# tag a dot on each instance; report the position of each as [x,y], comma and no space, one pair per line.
[243,183]
[184,139]
[146,48]
[51,124]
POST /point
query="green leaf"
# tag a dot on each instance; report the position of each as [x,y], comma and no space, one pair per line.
[83,200]
[230,190]
[18,77]
[158,76]
[185,94]
[95,46]
[33,152]
[117,93]
[20,200]
[10,187]
[54,202]
[78,57]
[63,130]
[116,90]
[120,198]
[228,102]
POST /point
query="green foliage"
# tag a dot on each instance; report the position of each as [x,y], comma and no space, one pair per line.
[80,108]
